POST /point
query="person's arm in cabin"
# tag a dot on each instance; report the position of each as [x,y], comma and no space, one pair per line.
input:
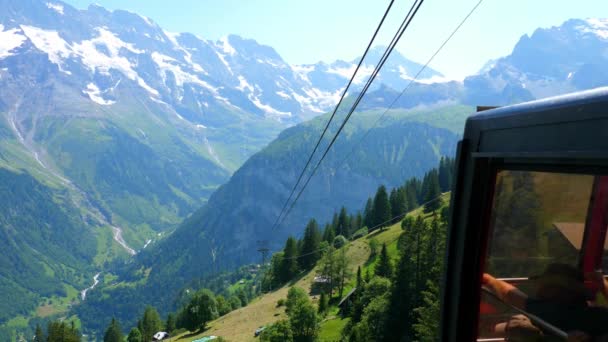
[505,291]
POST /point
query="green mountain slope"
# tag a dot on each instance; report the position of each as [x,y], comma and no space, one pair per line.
[46,246]
[224,233]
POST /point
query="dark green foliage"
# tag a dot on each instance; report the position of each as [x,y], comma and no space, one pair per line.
[277,332]
[223,306]
[329,234]
[343,226]
[342,270]
[170,324]
[289,267]
[39,335]
[446,173]
[113,332]
[310,245]
[384,268]
[150,323]
[377,289]
[432,191]
[304,321]
[399,205]
[323,303]
[381,214]
[201,309]
[39,226]
[134,335]
[295,295]
[62,332]
[235,302]
[280,302]
[368,212]
[339,241]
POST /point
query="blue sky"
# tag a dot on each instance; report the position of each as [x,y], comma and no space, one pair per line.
[306,31]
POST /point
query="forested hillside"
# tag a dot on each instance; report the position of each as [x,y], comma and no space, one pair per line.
[46,249]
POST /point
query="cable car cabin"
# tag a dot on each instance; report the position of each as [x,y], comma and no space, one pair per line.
[527,256]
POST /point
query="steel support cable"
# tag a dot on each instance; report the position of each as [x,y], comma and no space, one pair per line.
[400,31]
[352,151]
[333,114]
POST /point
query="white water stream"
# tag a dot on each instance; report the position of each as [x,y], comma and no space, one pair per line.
[83,293]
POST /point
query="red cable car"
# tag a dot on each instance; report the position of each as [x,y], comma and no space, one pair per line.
[527,245]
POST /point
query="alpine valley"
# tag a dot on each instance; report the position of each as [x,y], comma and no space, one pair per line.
[135,161]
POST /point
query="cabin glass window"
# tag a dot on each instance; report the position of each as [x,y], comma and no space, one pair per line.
[531,273]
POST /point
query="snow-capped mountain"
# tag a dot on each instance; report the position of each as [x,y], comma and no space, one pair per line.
[143,124]
[552,61]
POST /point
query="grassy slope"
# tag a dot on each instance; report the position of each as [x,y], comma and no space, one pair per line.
[240,324]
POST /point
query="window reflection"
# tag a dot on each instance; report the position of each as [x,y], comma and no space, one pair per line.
[533,287]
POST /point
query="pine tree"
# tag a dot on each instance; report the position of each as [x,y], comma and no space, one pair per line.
[289,269]
[170,324]
[359,279]
[329,234]
[150,323]
[432,201]
[399,204]
[134,335]
[382,208]
[39,335]
[384,268]
[368,219]
[323,303]
[310,245]
[113,332]
[343,226]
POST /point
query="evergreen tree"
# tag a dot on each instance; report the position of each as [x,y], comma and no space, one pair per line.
[170,323]
[289,268]
[343,225]
[399,204]
[62,332]
[411,192]
[357,222]
[150,323]
[343,272]
[368,219]
[384,268]
[113,332]
[329,234]
[323,303]
[39,335]
[359,279]
[134,335]
[382,208]
[432,201]
[310,245]
[328,268]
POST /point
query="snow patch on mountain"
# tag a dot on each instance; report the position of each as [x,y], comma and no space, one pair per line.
[95,95]
[9,40]
[347,72]
[55,7]
[597,26]
[303,70]
[243,84]
[226,47]
[169,64]
[187,55]
[50,42]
